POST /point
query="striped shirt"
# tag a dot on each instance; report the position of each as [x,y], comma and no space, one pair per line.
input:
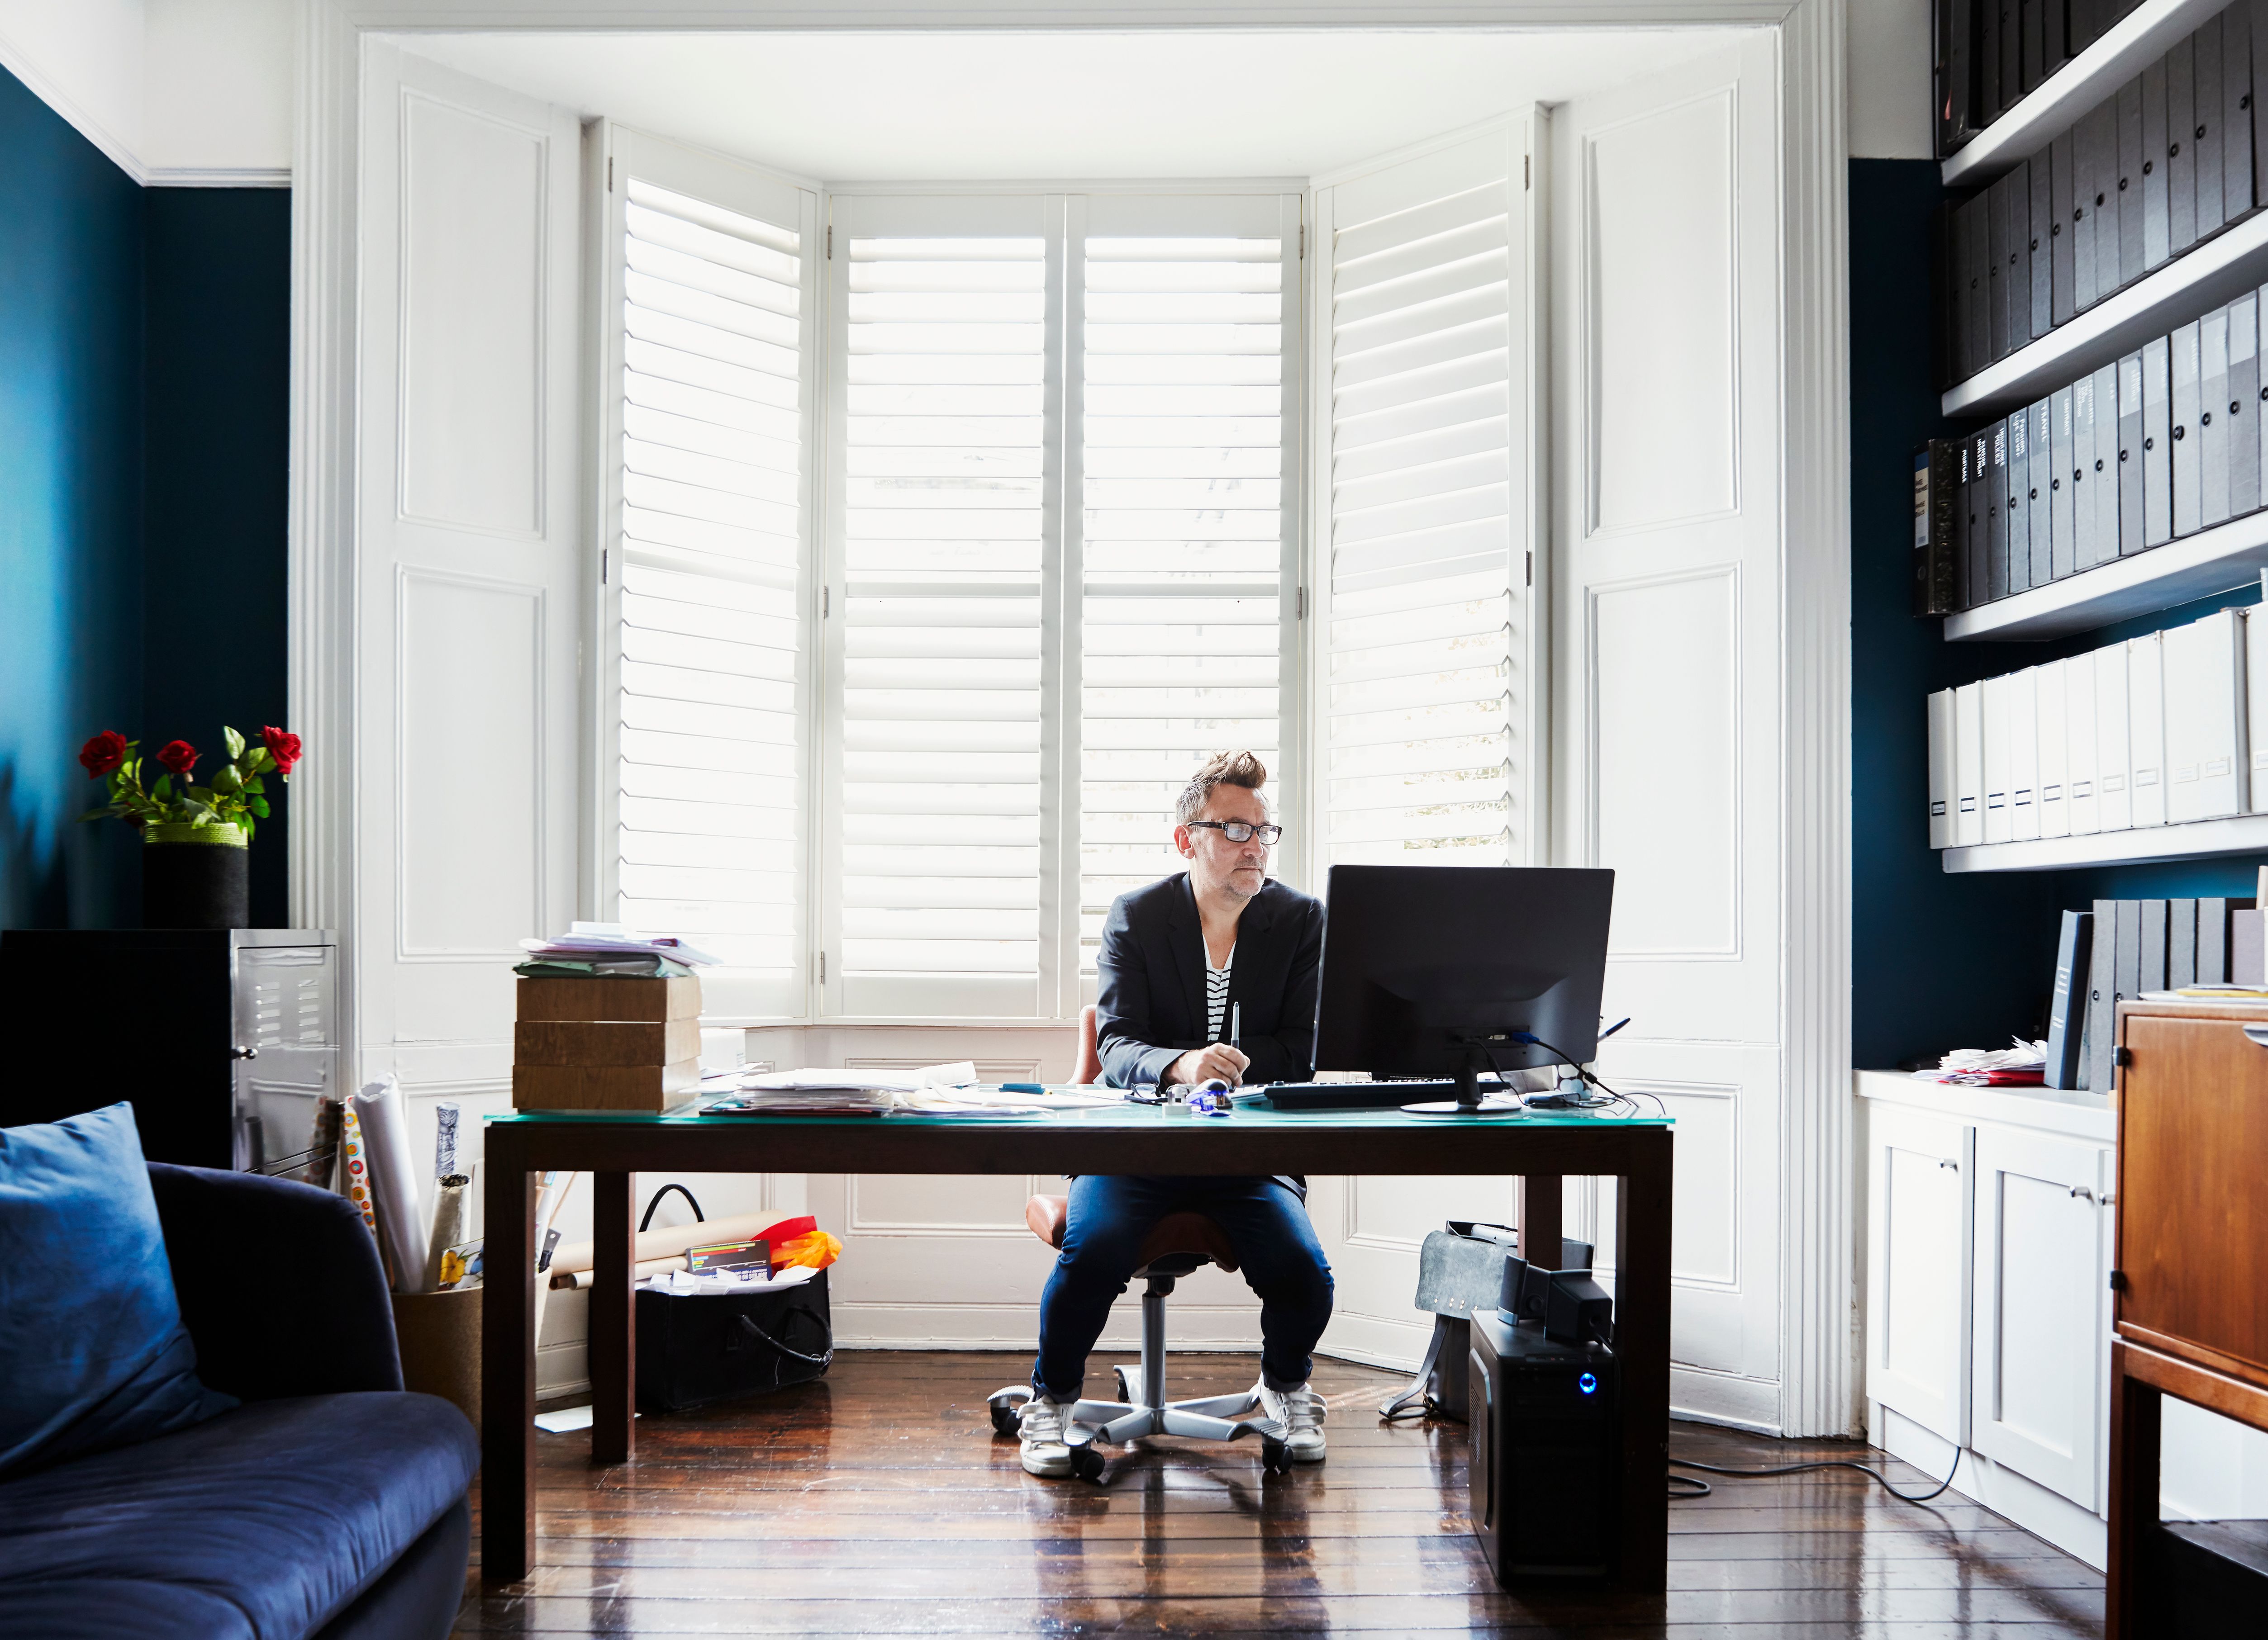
[1217,996]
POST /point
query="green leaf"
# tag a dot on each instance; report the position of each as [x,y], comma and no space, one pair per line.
[235,741]
[260,807]
[164,789]
[226,779]
[203,794]
[255,785]
[247,823]
[257,758]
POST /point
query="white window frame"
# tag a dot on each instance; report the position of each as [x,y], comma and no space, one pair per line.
[613,154]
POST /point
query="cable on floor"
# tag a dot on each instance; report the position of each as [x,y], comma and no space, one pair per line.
[1805,1468]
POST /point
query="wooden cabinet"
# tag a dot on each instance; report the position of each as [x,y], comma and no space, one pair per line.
[2190,1311]
[2036,1400]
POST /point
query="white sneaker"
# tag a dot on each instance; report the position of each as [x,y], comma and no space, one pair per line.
[1040,1426]
[1300,1413]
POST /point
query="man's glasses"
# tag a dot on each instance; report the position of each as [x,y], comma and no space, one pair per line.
[1237,831]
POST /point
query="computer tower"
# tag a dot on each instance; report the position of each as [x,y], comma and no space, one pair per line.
[1546,1438]
[224,1040]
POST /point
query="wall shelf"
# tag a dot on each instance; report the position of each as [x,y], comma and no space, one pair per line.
[2219,560]
[2220,269]
[2195,840]
[2127,48]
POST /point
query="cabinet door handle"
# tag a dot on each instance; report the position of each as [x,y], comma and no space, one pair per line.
[1947,1161]
[244,1052]
[2081,1192]
[2256,1035]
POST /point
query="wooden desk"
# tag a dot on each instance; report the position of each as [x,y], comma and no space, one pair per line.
[2189,1271]
[1131,1139]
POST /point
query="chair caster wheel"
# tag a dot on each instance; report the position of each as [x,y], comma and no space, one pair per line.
[1086,1463]
[1275,1456]
[1008,1411]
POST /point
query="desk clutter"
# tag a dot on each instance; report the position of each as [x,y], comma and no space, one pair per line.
[607,1020]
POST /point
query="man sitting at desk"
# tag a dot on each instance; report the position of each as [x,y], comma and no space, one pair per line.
[1180,959]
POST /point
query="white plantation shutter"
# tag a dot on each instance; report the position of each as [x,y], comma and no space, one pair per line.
[709,603]
[945,561]
[1187,523]
[1423,671]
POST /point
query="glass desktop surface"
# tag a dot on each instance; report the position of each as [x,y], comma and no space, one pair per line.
[1102,1116]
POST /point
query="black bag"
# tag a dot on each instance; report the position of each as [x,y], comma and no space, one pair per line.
[1460,1269]
[694,1349]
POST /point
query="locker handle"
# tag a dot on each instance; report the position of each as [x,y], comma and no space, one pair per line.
[244,1052]
[2081,1193]
[2256,1035]
[1947,1161]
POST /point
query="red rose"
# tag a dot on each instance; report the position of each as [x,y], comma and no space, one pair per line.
[102,754]
[180,757]
[283,747]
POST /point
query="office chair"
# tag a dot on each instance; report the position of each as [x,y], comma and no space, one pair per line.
[1180,1244]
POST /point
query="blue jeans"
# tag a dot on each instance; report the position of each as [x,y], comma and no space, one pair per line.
[1264,1220]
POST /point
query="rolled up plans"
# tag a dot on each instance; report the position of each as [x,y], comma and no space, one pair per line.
[401,1227]
[451,1208]
[444,1139]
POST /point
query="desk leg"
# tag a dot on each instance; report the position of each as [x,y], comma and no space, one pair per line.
[1541,1197]
[507,1360]
[1642,1352]
[2136,1415]
[613,1317]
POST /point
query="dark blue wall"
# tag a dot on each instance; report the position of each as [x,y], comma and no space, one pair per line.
[71,511]
[1939,961]
[143,396]
[218,393]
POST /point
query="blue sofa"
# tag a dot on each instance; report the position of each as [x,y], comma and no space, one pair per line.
[331,1503]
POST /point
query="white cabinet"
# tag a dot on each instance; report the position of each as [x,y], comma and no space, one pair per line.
[2036,1383]
[1987,1262]
[1917,1267]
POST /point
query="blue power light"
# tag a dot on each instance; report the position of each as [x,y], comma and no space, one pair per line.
[1589,1384]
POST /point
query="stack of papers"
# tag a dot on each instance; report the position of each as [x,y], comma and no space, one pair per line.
[930,1090]
[727,1281]
[589,949]
[2021,1064]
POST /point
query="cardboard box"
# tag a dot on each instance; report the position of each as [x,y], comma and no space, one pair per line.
[645,1001]
[604,1042]
[652,1088]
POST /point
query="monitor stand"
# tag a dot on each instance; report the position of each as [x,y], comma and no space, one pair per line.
[1468,1101]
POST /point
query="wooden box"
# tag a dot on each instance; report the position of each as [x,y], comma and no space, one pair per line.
[605,1041]
[641,1000]
[650,1088]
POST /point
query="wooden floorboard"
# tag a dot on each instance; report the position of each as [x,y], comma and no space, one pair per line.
[878,1502]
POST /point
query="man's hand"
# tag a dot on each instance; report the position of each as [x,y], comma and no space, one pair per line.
[1201,1065]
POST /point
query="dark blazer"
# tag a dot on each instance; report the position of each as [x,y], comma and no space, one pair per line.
[1150,993]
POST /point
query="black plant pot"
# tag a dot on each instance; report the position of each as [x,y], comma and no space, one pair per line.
[195,884]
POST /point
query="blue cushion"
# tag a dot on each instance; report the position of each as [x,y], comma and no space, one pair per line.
[94,1354]
[263,1523]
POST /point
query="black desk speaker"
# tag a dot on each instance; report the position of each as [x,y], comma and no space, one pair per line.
[1546,1432]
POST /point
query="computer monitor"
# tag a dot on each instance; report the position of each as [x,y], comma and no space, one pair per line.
[1455,970]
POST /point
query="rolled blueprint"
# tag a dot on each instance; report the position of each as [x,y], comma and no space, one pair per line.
[445,1139]
[385,1120]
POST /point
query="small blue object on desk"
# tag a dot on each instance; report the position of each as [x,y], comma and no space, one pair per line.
[1023,1087]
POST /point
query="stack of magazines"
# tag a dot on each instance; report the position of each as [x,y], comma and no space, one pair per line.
[609,950]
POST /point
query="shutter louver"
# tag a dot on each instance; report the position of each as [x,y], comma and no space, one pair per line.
[711,657]
[1424,589]
[1181,611]
[945,466]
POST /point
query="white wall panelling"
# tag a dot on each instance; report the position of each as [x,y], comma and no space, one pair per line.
[1668,724]
[467,596]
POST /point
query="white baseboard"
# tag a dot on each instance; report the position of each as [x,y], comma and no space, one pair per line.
[2025,1503]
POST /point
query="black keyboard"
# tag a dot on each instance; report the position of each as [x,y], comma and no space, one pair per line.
[1358,1095]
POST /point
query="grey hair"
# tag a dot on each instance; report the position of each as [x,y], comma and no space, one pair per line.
[1222,768]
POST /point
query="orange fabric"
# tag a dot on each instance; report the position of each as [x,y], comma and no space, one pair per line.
[817,1249]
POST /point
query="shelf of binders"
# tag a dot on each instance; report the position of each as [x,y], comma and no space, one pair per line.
[2216,271]
[2152,748]
[2054,106]
[2216,559]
